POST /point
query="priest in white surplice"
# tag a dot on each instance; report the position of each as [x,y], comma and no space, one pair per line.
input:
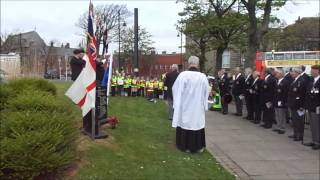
[190,101]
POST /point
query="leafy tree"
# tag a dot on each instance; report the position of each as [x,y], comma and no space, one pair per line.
[213,25]
[258,26]
[301,36]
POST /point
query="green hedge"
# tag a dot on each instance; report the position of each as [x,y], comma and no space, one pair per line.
[38,132]
[32,84]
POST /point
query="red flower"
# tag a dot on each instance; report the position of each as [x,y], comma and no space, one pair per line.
[113,120]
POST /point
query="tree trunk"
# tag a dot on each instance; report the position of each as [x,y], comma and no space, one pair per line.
[252,33]
[202,59]
[256,33]
[219,54]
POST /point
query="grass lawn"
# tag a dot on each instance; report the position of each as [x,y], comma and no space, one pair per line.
[141,147]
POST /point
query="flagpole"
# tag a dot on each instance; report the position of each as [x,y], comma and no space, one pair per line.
[109,78]
[93,110]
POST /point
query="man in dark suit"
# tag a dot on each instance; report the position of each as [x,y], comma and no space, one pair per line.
[169,81]
[248,98]
[267,95]
[288,78]
[238,90]
[308,79]
[224,89]
[312,104]
[255,91]
[280,101]
[77,63]
[296,99]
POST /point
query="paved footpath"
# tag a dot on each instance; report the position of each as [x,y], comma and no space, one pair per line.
[252,152]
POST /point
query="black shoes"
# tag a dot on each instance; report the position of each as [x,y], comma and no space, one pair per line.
[279,131]
[297,139]
[237,114]
[312,145]
[309,144]
[266,126]
[292,136]
[316,147]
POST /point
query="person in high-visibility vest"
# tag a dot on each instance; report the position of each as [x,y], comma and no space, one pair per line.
[113,85]
[150,90]
[134,85]
[216,106]
[127,86]
[161,88]
[156,88]
[120,83]
[142,85]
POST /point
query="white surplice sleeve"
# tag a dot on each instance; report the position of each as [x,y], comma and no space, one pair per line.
[206,93]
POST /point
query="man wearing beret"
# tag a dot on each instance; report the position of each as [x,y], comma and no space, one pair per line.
[268,88]
[77,63]
[296,99]
[238,90]
[312,104]
[224,86]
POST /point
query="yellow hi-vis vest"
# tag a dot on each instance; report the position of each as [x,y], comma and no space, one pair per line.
[114,81]
[161,85]
[150,86]
[134,83]
[142,83]
[127,83]
[156,84]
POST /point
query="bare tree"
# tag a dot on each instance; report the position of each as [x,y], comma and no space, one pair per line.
[106,20]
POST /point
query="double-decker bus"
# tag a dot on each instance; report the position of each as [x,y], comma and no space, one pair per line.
[287,59]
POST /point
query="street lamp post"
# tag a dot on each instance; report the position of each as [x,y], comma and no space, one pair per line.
[119,28]
[59,60]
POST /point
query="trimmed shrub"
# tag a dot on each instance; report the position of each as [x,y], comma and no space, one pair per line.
[35,142]
[36,101]
[5,95]
[32,84]
[37,131]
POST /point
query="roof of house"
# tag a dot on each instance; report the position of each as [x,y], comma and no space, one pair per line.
[26,39]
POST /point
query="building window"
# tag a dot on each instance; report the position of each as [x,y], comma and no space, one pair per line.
[226,59]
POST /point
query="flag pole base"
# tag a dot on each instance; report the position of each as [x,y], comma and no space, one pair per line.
[100,135]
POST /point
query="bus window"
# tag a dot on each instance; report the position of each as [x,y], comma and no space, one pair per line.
[288,56]
[298,55]
[268,56]
[311,55]
[278,56]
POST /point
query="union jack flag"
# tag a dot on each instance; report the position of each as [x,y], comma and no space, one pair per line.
[91,39]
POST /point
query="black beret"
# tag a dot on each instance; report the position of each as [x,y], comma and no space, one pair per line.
[78,51]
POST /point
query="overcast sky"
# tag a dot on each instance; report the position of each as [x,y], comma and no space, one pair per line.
[56,19]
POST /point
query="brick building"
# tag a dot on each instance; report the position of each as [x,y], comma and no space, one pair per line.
[153,65]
